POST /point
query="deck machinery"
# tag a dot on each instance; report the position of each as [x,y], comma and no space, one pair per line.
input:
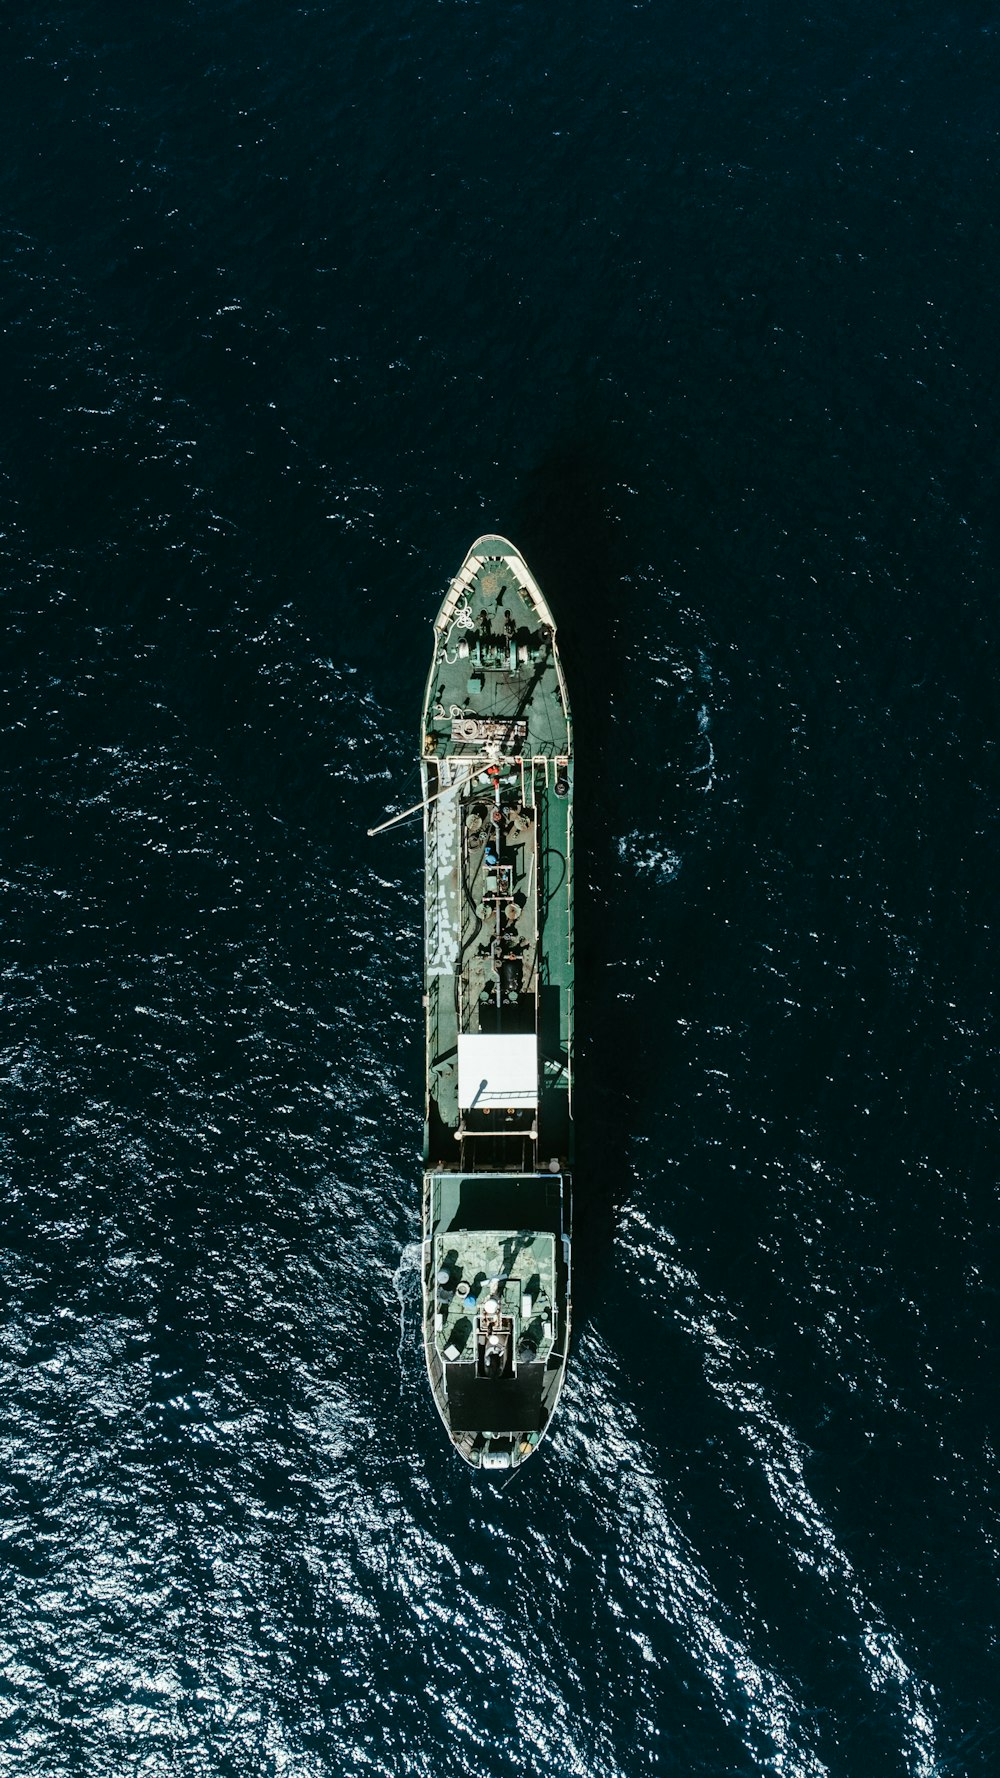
[497,766]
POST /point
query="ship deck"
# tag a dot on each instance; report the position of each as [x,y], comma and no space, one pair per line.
[498,770]
[495,677]
[517,1271]
[499,948]
[520,910]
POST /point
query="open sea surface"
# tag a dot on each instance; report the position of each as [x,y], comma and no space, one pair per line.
[699,306]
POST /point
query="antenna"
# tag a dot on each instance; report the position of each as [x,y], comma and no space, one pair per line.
[404,814]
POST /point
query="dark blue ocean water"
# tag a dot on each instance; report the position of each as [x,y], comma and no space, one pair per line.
[697,304]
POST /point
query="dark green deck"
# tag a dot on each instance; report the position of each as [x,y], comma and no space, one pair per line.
[496,671]
[497,763]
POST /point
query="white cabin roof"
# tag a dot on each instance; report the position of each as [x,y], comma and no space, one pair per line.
[497,1071]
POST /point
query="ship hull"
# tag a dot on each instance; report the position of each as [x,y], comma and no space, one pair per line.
[497,766]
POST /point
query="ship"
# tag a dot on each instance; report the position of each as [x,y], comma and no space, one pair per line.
[496,760]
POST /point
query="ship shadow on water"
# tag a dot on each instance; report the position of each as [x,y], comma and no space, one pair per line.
[567,531]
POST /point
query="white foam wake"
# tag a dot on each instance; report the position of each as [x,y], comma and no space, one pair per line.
[661,1569]
[729,1369]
